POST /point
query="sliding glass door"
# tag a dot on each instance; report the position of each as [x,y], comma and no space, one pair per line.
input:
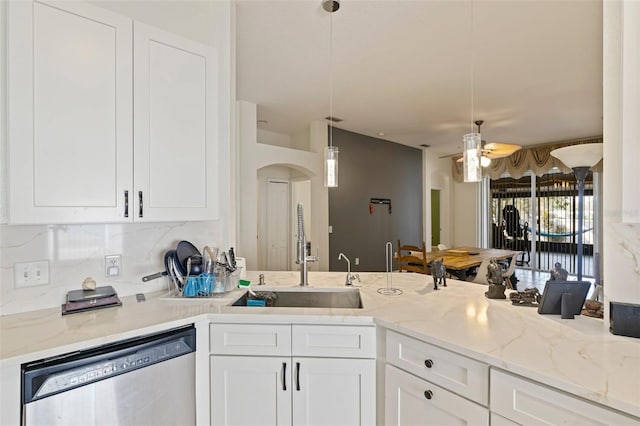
[538,216]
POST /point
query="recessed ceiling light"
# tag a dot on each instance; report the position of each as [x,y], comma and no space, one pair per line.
[381,134]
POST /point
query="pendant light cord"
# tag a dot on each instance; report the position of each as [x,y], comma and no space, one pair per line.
[331,79]
[472,68]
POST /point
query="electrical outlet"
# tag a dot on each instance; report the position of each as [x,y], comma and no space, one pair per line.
[29,274]
[112,265]
[357,260]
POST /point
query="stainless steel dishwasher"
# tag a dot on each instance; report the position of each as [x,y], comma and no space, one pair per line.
[148,380]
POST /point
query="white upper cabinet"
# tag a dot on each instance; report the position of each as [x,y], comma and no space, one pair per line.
[79,151]
[69,113]
[175,128]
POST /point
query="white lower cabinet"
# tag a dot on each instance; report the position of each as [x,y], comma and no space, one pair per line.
[257,379]
[250,390]
[428,385]
[333,391]
[413,401]
[528,403]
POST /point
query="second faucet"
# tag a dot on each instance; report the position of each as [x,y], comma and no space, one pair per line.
[350,276]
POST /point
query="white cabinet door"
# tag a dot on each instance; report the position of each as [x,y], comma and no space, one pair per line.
[250,391]
[412,401]
[530,403]
[69,113]
[176,135]
[333,391]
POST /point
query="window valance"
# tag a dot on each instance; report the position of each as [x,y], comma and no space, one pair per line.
[537,159]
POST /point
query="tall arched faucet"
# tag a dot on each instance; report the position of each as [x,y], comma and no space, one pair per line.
[303,250]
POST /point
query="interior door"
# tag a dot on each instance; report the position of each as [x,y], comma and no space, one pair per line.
[277,225]
[435,217]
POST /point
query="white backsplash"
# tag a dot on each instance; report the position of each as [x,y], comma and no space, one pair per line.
[622,262]
[75,252]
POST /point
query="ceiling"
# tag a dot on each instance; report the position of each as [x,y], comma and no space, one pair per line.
[421,71]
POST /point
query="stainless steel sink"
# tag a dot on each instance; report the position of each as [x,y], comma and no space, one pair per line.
[345,298]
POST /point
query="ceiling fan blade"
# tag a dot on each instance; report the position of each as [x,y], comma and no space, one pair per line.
[500,150]
[451,155]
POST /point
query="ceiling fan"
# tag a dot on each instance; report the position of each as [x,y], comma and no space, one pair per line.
[490,150]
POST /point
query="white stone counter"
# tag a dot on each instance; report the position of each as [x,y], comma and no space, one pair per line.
[578,356]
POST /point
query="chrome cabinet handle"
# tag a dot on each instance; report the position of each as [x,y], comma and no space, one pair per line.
[428,394]
[126,203]
[428,363]
[140,201]
[284,376]
[297,376]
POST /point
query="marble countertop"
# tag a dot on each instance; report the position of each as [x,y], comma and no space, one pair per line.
[578,356]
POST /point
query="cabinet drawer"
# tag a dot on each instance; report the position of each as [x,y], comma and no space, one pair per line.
[529,403]
[334,341]
[411,400]
[454,372]
[250,339]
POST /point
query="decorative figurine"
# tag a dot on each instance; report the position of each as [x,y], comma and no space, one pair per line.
[558,273]
[438,272]
[495,280]
[528,297]
[593,308]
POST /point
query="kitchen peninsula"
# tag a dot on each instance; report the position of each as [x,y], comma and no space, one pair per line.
[575,359]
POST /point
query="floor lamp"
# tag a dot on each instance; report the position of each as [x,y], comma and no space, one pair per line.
[580,158]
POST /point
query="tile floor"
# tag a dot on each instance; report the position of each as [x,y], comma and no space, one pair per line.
[528,278]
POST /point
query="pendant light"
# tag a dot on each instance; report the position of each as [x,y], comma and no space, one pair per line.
[472,154]
[331,152]
[472,159]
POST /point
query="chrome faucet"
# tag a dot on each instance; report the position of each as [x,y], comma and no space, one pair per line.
[350,276]
[303,250]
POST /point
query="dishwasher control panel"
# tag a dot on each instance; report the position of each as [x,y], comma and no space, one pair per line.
[50,377]
[94,372]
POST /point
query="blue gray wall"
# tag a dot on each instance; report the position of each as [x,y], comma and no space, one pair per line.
[373,168]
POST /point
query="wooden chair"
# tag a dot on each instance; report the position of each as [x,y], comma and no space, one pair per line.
[409,258]
[481,273]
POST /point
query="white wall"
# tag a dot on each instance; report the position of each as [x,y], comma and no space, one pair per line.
[77,251]
[437,175]
[621,235]
[254,156]
[272,138]
[464,206]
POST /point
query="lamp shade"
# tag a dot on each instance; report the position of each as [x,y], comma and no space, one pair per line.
[471,157]
[584,155]
[331,166]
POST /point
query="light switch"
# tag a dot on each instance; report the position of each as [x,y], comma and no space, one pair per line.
[28,274]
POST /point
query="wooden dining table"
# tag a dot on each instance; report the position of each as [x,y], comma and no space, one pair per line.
[459,260]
